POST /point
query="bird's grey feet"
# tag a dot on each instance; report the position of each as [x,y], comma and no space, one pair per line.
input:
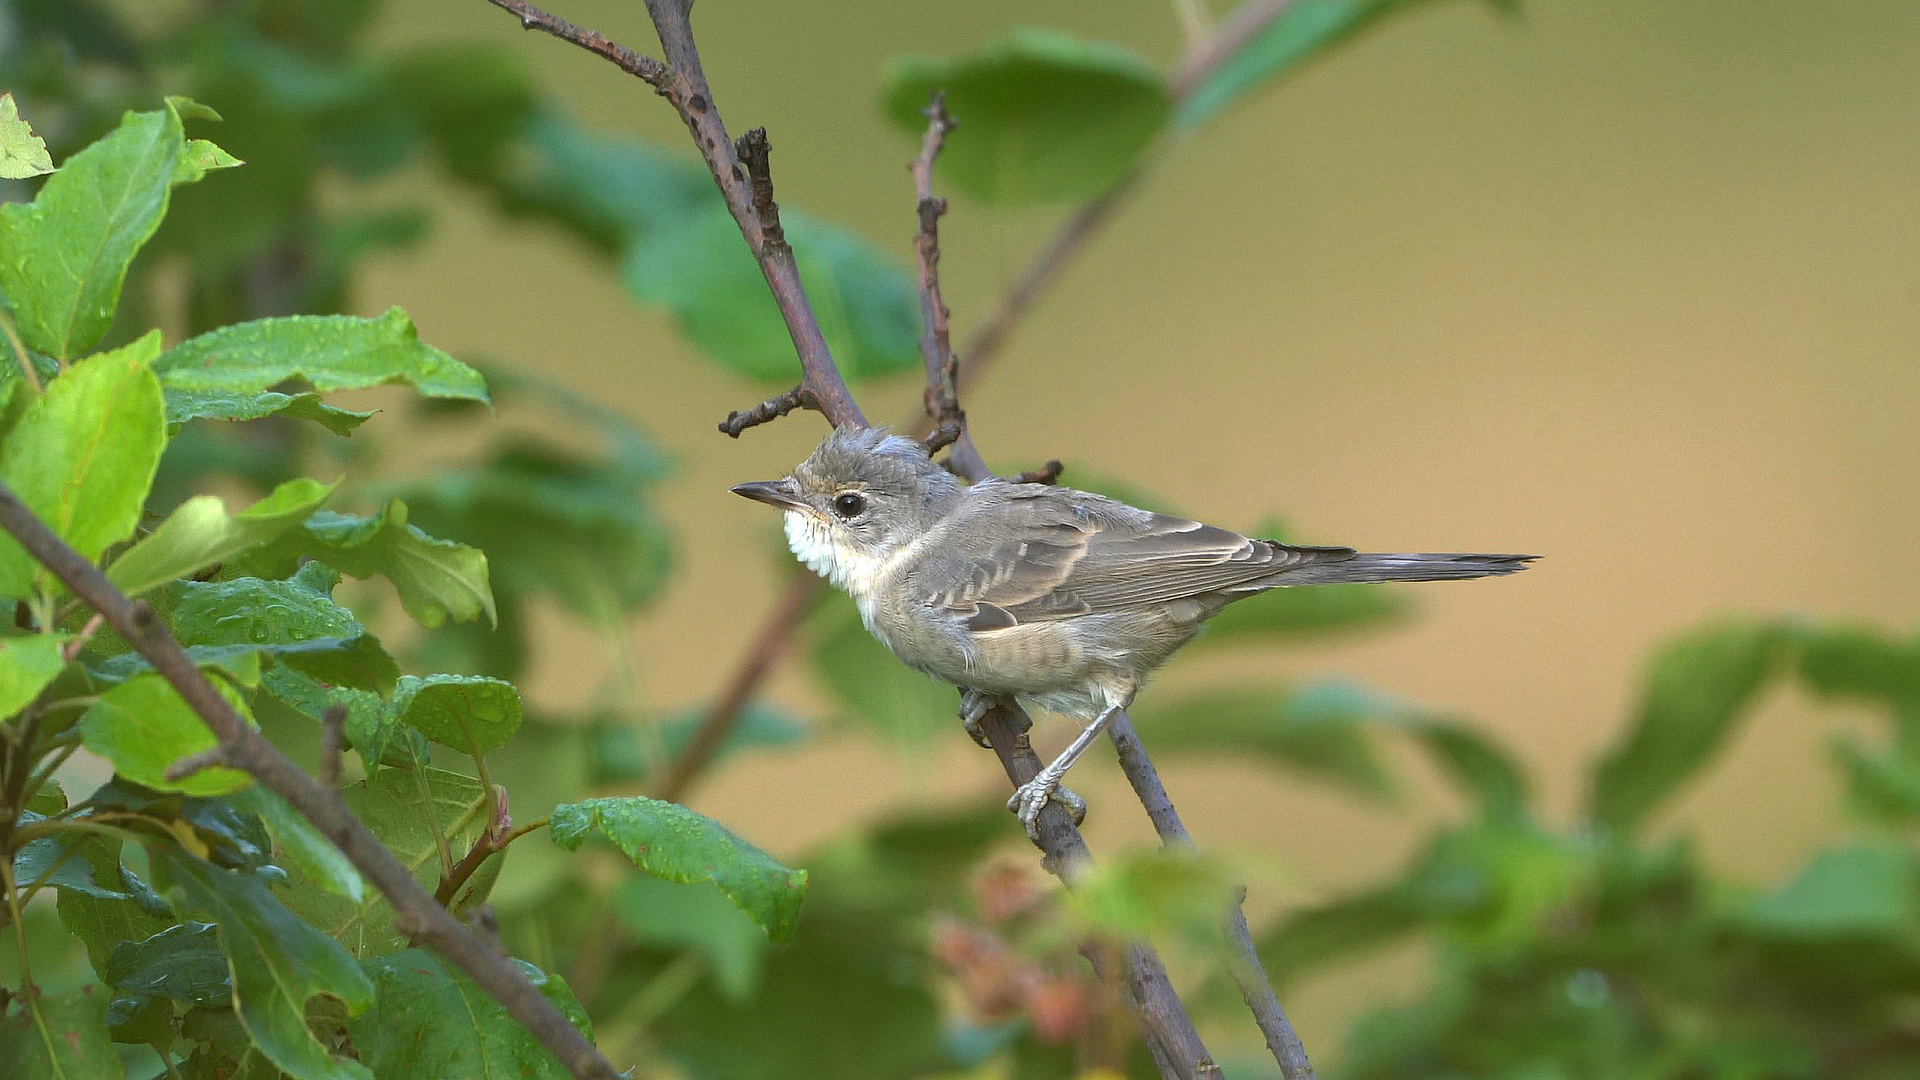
[1032,797]
[973,706]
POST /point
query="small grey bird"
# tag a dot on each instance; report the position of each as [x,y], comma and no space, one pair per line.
[1062,599]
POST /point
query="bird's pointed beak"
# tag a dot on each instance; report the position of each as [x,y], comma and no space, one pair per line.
[780,493]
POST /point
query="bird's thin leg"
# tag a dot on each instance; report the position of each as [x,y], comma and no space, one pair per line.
[1031,797]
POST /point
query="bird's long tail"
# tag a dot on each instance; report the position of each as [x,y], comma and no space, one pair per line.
[1401,567]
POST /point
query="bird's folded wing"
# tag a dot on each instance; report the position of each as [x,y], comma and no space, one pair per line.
[1040,554]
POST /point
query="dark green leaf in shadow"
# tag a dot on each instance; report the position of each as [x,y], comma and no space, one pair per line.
[1338,930]
[278,963]
[185,405]
[59,1037]
[672,842]
[182,963]
[872,688]
[1043,116]
[1318,732]
[700,919]
[610,190]
[430,1022]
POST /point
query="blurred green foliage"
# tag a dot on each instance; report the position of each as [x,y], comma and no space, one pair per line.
[200,928]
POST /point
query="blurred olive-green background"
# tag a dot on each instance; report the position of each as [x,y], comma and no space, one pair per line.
[1634,285]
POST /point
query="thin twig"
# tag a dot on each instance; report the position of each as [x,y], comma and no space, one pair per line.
[767,411]
[1244,964]
[247,749]
[942,397]
[214,758]
[1045,474]
[636,64]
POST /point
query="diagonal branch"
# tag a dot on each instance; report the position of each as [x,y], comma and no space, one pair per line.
[242,747]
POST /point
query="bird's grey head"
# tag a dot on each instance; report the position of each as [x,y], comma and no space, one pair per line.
[857,501]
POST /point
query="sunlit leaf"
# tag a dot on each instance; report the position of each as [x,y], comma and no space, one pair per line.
[672,842]
[329,352]
[28,662]
[142,726]
[64,256]
[1043,116]
[22,153]
[437,580]
[83,455]
[201,532]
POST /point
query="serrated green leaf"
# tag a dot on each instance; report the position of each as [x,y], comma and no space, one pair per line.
[28,662]
[201,532]
[698,269]
[1869,889]
[83,455]
[22,153]
[470,713]
[330,352]
[59,1037]
[700,919]
[64,256]
[278,963]
[184,405]
[299,846]
[430,1022]
[84,862]
[404,808]
[1043,116]
[437,580]
[256,612]
[1318,731]
[672,842]
[1302,31]
[1698,688]
[142,726]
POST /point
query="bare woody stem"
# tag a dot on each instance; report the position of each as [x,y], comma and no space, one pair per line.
[242,747]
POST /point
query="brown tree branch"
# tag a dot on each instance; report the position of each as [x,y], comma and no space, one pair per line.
[1244,963]
[243,747]
[767,411]
[636,64]
[942,397]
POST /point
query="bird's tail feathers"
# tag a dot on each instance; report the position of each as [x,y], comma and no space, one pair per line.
[1424,566]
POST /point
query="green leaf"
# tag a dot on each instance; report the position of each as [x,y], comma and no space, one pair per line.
[201,533]
[1318,731]
[59,1037]
[259,613]
[142,726]
[699,919]
[27,664]
[1303,30]
[372,725]
[1859,662]
[673,842]
[610,190]
[331,352]
[431,1022]
[699,269]
[1697,690]
[278,963]
[1157,893]
[404,808]
[1869,889]
[22,153]
[1883,786]
[1481,770]
[1343,928]
[65,255]
[1043,116]
[622,753]
[101,923]
[182,963]
[437,579]
[470,713]
[299,846]
[83,455]
[184,405]
[84,862]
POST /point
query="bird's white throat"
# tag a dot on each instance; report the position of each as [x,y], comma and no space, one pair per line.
[850,571]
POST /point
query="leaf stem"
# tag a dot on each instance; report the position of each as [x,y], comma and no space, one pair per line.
[20,351]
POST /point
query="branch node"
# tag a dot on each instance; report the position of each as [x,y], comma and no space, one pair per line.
[769,410]
[193,763]
[756,152]
[1045,474]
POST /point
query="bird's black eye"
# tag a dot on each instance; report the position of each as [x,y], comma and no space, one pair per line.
[848,505]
